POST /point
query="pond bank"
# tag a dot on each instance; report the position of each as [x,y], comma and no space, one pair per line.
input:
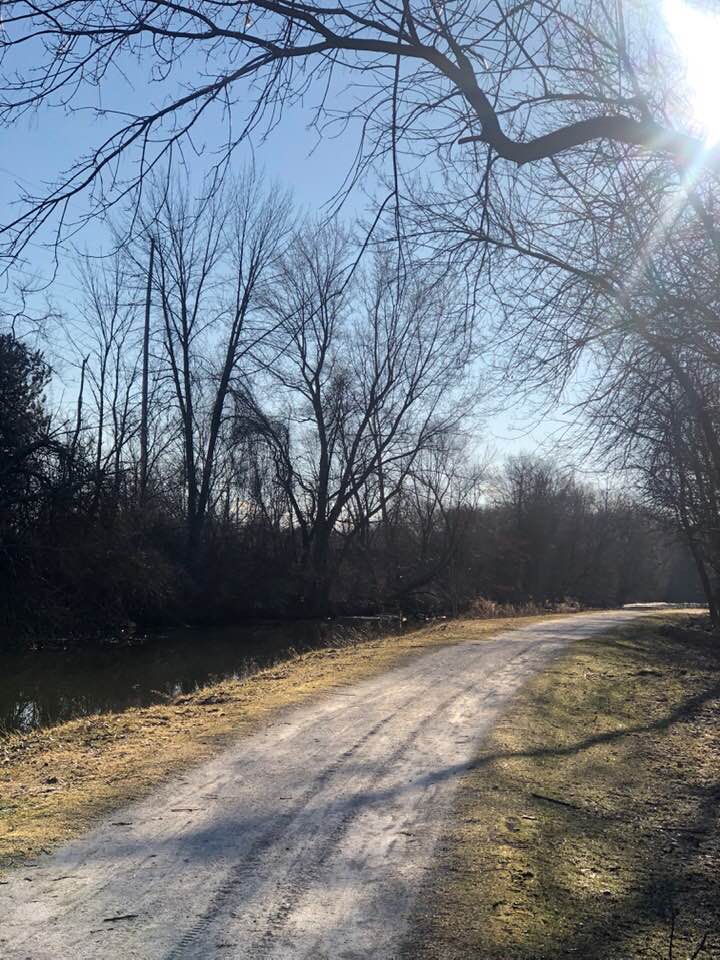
[49,686]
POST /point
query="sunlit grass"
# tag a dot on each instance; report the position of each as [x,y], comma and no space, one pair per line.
[591,816]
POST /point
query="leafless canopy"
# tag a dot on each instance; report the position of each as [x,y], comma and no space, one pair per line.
[524,81]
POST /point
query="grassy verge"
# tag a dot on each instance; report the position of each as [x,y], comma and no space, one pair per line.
[589,825]
[55,782]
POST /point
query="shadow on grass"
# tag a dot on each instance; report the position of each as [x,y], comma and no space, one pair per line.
[627,863]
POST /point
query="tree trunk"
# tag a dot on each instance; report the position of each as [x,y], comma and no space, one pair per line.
[318,576]
[705,581]
[146,378]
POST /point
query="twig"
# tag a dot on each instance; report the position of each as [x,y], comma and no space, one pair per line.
[563,803]
[700,947]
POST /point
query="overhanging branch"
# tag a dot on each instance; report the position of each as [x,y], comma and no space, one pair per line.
[619,129]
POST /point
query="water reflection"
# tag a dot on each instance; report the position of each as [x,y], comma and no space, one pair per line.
[41,689]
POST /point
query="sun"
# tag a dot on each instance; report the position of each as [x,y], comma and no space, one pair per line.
[696,32]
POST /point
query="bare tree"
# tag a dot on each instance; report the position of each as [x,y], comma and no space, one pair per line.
[106,337]
[602,267]
[650,427]
[213,256]
[361,370]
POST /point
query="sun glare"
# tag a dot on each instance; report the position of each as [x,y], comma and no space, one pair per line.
[696,32]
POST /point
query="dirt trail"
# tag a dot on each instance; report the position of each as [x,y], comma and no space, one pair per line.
[308,839]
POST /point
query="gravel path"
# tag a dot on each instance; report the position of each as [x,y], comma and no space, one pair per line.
[308,839]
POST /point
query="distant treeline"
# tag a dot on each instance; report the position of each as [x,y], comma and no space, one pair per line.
[84,550]
[270,420]
[264,412]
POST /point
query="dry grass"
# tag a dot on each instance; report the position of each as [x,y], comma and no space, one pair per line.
[55,782]
[590,824]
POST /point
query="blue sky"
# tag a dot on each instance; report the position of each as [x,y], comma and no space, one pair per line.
[35,150]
